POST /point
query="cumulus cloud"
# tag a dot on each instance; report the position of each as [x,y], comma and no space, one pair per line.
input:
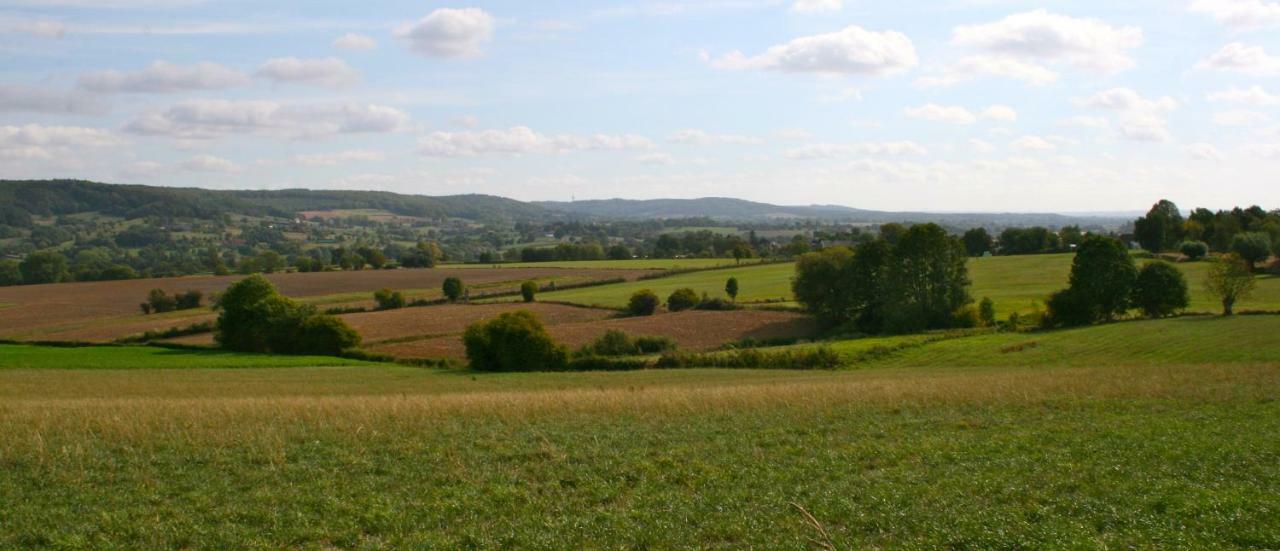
[1203,152]
[33,141]
[1042,36]
[329,159]
[521,140]
[1145,128]
[212,119]
[163,77]
[1254,96]
[1000,113]
[209,163]
[1241,117]
[354,42]
[834,151]
[1126,99]
[25,99]
[1240,14]
[449,32]
[972,67]
[656,159]
[816,6]
[852,51]
[39,27]
[960,115]
[695,136]
[1241,58]
[329,72]
[1033,143]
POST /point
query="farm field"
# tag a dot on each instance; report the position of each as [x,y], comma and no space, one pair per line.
[1106,448]
[1015,283]
[109,309]
[692,330]
[16,356]
[633,264]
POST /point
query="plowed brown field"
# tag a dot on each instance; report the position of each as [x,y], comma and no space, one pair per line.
[109,309]
[692,330]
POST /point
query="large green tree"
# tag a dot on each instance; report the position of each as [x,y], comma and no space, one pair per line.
[1102,276]
[929,279]
[1161,229]
[43,267]
[1160,290]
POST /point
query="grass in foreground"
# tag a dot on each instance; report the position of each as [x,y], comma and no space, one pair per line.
[1154,456]
[142,357]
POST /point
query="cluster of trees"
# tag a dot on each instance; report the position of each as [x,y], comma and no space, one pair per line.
[1021,241]
[645,302]
[518,341]
[254,317]
[703,243]
[587,250]
[160,302]
[1252,233]
[920,282]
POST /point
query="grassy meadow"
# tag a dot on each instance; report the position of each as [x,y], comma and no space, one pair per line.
[1117,454]
[1015,283]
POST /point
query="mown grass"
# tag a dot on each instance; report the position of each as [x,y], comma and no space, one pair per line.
[1014,283]
[143,358]
[1153,457]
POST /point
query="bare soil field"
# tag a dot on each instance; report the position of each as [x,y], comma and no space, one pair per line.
[391,325]
[692,330]
[43,311]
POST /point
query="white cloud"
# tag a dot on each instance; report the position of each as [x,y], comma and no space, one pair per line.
[1241,118]
[842,95]
[1127,100]
[1033,143]
[852,51]
[42,27]
[521,140]
[972,67]
[941,113]
[330,72]
[209,163]
[1240,14]
[1145,128]
[33,141]
[795,135]
[1254,96]
[211,119]
[982,146]
[330,159]
[163,77]
[24,99]
[1083,121]
[1241,58]
[1040,35]
[1000,113]
[354,42]
[449,32]
[833,151]
[1203,152]
[656,159]
[1264,151]
[816,6]
[695,136]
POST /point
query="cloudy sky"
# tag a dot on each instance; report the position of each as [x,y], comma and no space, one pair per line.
[1087,105]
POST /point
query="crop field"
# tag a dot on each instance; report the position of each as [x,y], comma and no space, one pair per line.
[1085,447]
[692,330]
[109,309]
[1014,283]
[16,356]
[633,264]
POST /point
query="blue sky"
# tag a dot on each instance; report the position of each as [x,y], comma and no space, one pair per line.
[964,105]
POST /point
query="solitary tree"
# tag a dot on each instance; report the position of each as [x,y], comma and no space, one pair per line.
[1253,247]
[528,291]
[643,303]
[731,288]
[1160,290]
[1194,250]
[452,288]
[1230,279]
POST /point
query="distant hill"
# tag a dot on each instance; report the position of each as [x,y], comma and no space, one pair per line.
[737,209]
[62,197]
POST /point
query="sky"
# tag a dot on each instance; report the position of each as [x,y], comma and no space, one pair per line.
[964,105]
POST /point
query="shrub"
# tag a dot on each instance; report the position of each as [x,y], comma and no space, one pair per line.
[161,302]
[255,318]
[643,303]
[514,341]
[717,304]
[388,299]
[528,291]
[601,363]
[682,299]
[1230,279]
[612,343]
[655,345]
[1253,247]
[1160,290]
[731,288]
[987,312]
[1068,308]
[326,335]
[822,357]
[188,300]
[967,317]
[1194,250]
[10,273]
[452,289]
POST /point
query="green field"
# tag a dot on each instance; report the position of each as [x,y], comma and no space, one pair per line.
[1090,445]
[634,264]
[14,356]
[1015,283]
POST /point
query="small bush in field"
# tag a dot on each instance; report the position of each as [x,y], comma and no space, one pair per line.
[987,312]
[528,291]
[514,341]
[388,299]
[643,303]
[1161,290]
[682,299]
